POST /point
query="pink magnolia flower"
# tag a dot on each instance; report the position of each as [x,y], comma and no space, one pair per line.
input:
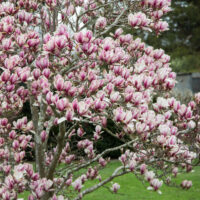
[12,134]
[197,98]
[62,30]
[47,38]
[157,14]
[141,127]
[149,175]
[82,108]
[46,72]
[69,159]
[161,139]
[5,76]
[15,144]
[138,19]
[143,168]
[118,32]
[42,63]
[156,184]
[191,124]
[123,159]
[164,129]
[80,132]
[7,44]
[69,181]
[132,165]
[19,156]
[119,114]
[50,45]
[186,184]
[21,40]
[70,10]
[161,26]
[60,42]
[77,184]
[84,19]
[33,43]
[36,73]
[69,115]
[59,83]
[83,37]
[171,141]
[43,136]
[98,129]
[115,187]
[47,185]
[102,162]
[51,3]
[7,169]
[101,23]
[192,104]
[114,97]
[61,104]
[175,171]
[24,74]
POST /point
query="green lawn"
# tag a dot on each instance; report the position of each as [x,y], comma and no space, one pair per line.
[133,189]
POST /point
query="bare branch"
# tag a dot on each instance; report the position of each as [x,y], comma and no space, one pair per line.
[60,141]
[95,187]
[61,136]
[96,158]
[112,25]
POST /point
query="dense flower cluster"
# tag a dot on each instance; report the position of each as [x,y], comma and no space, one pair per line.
[75,66]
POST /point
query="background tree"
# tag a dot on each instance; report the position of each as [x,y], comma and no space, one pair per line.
[183,39]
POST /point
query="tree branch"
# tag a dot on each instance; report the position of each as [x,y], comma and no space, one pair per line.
[95,187]
[95,159]
[60,141]
[37,118]
[112,25]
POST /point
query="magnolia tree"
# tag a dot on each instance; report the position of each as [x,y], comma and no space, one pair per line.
[75,66]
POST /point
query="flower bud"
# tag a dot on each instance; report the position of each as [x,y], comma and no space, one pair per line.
[43,136]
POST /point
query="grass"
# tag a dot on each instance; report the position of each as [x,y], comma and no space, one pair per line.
[133,189]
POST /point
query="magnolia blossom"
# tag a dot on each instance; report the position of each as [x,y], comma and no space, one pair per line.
[138,19]
[77,184]
[43,136]
[161,26]
[186,184]
[101,23]
[175,171]
[18,175]
[115,187]
[156,184]
[149,175]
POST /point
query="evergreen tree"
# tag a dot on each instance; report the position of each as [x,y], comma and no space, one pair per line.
[182,42]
